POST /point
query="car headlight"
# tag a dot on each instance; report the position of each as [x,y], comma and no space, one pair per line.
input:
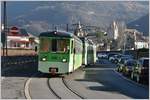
[136,68]
[64,60]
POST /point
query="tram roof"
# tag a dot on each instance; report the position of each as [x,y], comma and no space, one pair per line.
[57,34]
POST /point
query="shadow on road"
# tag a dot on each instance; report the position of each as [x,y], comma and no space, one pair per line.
[111,82]
[24,70]
[20,70]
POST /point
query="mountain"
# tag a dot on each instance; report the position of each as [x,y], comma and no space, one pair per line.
[141,24]
[39,16]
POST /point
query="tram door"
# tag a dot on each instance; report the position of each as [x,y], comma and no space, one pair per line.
[72,60]
[74,51]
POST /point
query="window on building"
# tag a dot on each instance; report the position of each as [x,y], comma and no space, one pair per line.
[27,44]
[18,44]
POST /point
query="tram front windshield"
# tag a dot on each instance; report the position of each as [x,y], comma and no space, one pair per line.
[54,45]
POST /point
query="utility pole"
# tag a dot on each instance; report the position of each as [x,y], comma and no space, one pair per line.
[67,27]
[124,48]
[3,38]
[134,40]
[5,26]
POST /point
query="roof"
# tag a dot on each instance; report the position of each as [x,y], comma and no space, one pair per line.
[56,34]
[21,32]
[60,34]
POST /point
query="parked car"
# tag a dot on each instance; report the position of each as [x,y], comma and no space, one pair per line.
[141,72]
[128,66]
[121,63]
[115,58]
[124,57]
[111,54]
[102,55]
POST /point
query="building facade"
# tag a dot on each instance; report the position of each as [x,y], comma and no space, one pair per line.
[20,38]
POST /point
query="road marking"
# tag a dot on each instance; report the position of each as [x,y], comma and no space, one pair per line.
[26,88]
[129,79]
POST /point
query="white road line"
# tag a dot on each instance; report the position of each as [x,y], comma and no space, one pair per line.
[129,79]
[26,88]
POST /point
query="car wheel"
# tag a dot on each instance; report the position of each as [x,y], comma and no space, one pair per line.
[132,76]
[117,69]
[137,78]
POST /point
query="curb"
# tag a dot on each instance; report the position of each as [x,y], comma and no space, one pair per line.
[141,85]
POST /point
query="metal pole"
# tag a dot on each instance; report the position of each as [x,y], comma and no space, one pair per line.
[5,26]
[67,27]
[134,40]
[124,43]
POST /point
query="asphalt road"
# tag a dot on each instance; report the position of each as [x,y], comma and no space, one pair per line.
[13,78]
[99,81]
[103,80]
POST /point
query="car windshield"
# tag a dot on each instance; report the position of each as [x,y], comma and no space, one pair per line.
[131,63]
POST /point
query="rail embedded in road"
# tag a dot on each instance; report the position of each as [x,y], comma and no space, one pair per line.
[62,90]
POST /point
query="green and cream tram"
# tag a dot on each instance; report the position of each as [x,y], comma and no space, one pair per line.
[59,52]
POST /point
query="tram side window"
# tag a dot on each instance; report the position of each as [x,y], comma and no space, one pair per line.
[45,44]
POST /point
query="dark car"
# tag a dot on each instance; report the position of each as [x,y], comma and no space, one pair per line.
[128,66]
[115,58]
[112,55]
[141,72]
[102,55]
[121,63]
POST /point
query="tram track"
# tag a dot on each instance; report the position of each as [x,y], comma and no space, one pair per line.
[65,83]
[58,88]
[52,90]
[73,94]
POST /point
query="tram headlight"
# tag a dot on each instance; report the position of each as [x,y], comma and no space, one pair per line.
[64,60]
[43,59]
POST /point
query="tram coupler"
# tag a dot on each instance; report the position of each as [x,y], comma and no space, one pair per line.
[53,71]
